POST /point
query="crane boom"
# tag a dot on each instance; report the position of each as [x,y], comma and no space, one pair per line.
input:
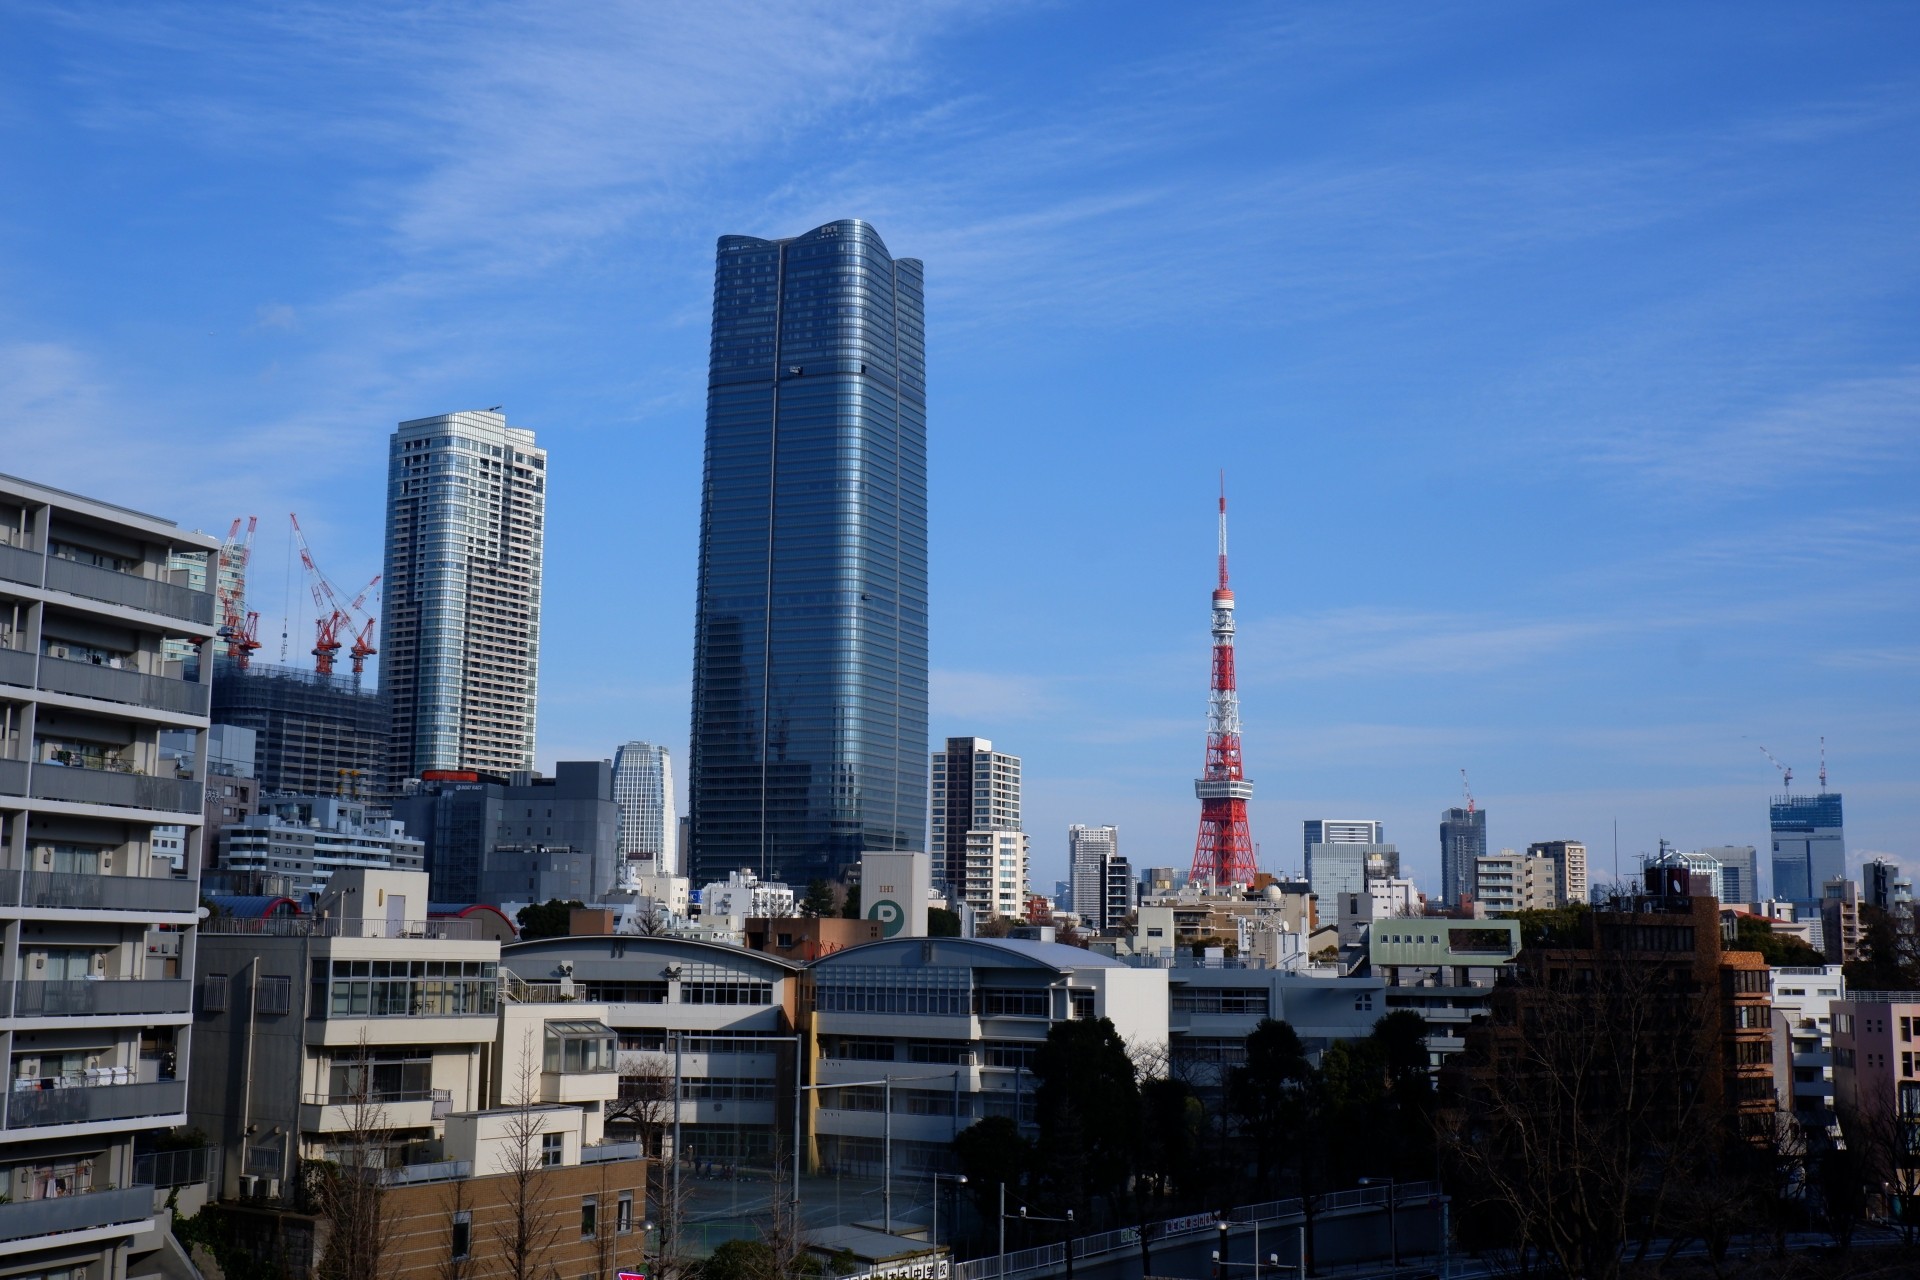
[1468,788]
[1786,773]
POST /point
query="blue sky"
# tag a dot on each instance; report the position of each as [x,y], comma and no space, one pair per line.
[1562,358]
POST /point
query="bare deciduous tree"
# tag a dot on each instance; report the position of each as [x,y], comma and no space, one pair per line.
[458,1262]
[349,1188]
[527,1228]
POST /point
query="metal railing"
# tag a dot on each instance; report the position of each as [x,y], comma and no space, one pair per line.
[1878,997]
[16,667]
[438,1171]
[20,565]
[118,684]
[111,787]
[185,1167]
[611,1151]
[373,1098]
[95,997]
[79,891]
[86,1104]
[333,927]
[128,589]
[31,1219]
[1051,1257]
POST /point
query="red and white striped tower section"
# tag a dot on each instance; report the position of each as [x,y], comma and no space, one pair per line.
[1223,855]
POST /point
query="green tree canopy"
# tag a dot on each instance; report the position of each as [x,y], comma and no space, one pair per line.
[1089,1110]
[547,919]
[942,923]
[819,900]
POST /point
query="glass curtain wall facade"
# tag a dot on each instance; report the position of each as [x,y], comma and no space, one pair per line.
[1463,840]
[1809,845]
[809,734]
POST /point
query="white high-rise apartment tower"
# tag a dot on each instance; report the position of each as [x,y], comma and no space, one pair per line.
[975,806]
[643,788]
[460,599]
[97,935]
[1090,851]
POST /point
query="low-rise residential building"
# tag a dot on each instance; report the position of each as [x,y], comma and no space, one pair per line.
[1803,998]
[996,873]
[728,904]
[1569,859]
[1507,881]
[1442,969]
[1840,920]
[1876,1065]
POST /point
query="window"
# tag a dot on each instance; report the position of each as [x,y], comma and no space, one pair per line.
[1363,1002]
[947,1052]
[1010,1054]
[623,1213]
[589,1217]
[1221,1000]
[213,993]
[726,993]
[862,1049]
[460,1242]
[1015,1004]
[553,1150]
[274,994]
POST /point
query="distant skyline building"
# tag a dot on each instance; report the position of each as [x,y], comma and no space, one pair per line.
[1883,886]
[461,822]
[1089,850]
[1463,841]
[975,792]
[460,596]
[809,727]
[313,735]
[643,788]
[1347,866]
[1340,831]
[1569,859]
[1509,881]
[1809,845]
[1739,871]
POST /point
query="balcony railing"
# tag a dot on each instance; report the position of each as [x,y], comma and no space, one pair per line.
[86,1104]
[94,998]
[13,777]
[16,667]
[31,1219]
[329,927]
[611,1151]
[184,1167]
[110,787]
[20,565]
[127,589]
[438,1171]
[117,684]
[77,891]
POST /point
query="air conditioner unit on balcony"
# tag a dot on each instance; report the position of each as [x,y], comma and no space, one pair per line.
[273,1187]
[249,1187]
[163,944]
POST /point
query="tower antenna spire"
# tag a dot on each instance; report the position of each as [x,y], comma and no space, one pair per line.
[1823,762]
[1224,853]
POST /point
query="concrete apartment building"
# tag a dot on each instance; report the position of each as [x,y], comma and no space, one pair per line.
[1507,881]
[374,1036]
[1739,871]
[1840,920]
[460,632]
[97,936]
[975,803]
[1442,969]
[1569,858]
[1884,887]
[1876,1062]
[1803,999]
[1213,1008]
[294,845]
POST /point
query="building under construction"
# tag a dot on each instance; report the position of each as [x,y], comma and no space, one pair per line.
[315,735]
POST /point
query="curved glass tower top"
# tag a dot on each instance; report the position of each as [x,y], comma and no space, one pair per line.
[809,741]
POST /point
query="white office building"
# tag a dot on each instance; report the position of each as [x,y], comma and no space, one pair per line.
[643,788]
[460,598]
[1341,831]
[975,800]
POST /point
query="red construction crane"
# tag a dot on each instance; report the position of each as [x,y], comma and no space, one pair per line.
[238,627]
[334,617]
[1468,788]
[1224,852]
[1786,774]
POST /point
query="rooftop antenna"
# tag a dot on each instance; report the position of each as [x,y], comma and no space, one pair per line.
[1823,762]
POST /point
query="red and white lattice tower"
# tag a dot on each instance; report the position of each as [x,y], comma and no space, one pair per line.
[1223,855]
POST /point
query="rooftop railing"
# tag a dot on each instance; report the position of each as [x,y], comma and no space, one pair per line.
[332,927]
[437,1171]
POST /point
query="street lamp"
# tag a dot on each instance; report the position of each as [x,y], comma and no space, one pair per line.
[958,1179]
[886,1132]
[1272,1262]
[1393,1216]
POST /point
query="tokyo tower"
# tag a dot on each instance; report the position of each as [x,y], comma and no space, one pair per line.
[1223,855]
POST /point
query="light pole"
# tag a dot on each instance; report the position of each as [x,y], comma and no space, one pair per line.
[1393,1216]
[959,1180]
[1272,1262]
[1066,1237]
[886,1131]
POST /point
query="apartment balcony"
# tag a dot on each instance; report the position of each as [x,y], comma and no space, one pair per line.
[74,891]
[579,1086]
[610,1151]
[392,1110]
[17,565]
[37,1224]
[111,587]
[13,777]
[117,684]
[111,787]
[92,999]
[16,667]
[94,1104]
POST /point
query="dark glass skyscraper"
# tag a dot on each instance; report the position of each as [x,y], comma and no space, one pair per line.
[809,739]
[1463,838]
